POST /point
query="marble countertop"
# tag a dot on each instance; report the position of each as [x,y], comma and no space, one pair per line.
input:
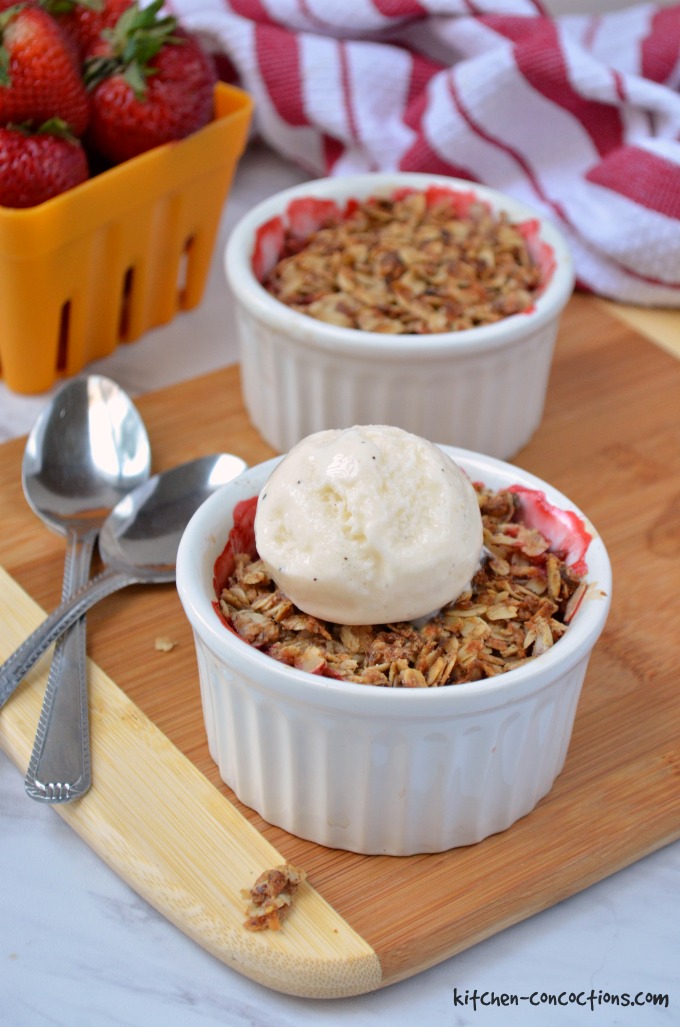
[80,948]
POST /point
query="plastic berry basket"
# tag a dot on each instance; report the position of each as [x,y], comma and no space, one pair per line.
[120,254]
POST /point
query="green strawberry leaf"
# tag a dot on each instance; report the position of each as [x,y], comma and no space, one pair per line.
[68,6]
[135,76]
[57,127]
[7,16]
[5,77]
[135,39]
[53,127]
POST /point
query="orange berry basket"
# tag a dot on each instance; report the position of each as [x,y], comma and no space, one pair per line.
[120,254]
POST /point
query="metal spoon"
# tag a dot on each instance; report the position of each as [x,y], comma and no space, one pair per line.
[138,543]
[88,449]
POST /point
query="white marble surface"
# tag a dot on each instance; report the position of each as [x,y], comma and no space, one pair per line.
[78,948]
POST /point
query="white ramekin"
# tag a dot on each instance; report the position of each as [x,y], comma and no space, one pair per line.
[380,770]
[482,389]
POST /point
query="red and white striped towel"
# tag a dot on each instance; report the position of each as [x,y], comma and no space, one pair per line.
[578,116]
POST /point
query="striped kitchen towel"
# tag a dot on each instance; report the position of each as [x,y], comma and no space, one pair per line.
[578,116]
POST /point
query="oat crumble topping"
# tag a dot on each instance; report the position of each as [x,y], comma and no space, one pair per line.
[519,604]
[271,897]
[408,265]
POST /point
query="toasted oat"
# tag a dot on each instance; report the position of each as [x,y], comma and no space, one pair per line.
[271,897]
[518,605]
[408,265]
[164,645]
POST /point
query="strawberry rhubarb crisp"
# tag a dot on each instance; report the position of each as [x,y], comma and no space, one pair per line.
[415,263]
[519,603]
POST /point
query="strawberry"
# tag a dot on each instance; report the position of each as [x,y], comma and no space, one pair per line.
[35,166]
[150,82]
[82,21]
[39,75]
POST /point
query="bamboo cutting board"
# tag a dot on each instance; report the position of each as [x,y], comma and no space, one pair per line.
[159,814]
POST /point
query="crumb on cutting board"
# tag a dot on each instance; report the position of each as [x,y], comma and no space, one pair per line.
[271,897]
[164,645]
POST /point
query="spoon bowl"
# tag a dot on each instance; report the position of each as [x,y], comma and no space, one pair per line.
[87,449]
[141,535]
[138,544]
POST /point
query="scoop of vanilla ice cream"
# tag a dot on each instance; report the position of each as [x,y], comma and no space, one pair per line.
[369,525]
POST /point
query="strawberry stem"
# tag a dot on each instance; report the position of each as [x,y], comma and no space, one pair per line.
[136,38]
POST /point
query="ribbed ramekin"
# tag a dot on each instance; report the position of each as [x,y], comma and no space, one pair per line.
[380,770]
[482,388]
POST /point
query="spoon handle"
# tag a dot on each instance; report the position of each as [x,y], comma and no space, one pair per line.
[59,769]
[15,668]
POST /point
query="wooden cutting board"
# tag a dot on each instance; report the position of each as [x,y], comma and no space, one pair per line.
[159,814]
